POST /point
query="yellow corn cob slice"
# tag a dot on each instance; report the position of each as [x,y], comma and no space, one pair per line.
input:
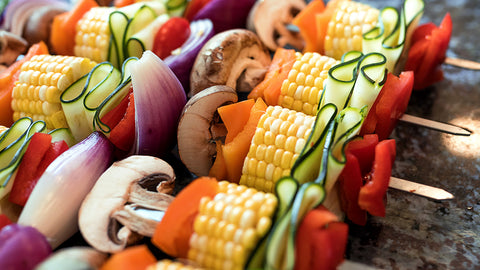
[349,21]
[302,90]
[229,226]
[93,34]
[279,138]
[42,80]
[2,129]
[166,264]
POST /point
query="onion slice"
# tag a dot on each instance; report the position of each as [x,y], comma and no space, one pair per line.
[17,12]
[56,199]
[22,247]
[181,63]
[226,14]
[159,100]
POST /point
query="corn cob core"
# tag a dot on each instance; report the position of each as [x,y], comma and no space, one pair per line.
[229,226]
[302,90]
[345,29]
[42,80]
[166,264]
[93,34]
[279,138]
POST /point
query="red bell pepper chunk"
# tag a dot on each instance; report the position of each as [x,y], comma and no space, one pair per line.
[55,150]
[320,241]
[428,52]
[389,106]
[364,150]
[4,221]
[171,35]
[115,115]
[39,154]
[360,154]
[123,134]
[193,8]
[350,184]
[372,194]
[26,177]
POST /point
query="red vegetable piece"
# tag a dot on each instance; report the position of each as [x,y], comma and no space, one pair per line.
[123,134]
[422,31]
[350,183]
[427,68]
[389,106]
[28,171]
[371,197]
[193,8]
[171,35]
[55,150]
[364,150]
[4,221]
[115,115]
[320,241]
[393,103]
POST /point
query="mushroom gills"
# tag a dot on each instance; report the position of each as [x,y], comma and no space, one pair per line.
[200,127]
[110,217]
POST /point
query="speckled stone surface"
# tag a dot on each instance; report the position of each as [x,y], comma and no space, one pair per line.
[418,233]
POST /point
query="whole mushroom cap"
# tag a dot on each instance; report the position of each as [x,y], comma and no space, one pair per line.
[236,58]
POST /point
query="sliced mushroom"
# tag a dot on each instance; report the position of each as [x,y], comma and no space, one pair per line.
[11,46]
[108,220]
[270,18]
[74,258]
[200,127]
[234,57]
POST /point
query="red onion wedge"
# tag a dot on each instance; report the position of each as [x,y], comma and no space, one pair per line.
[181,64]
[22,247]
[17,12]
[56,199]
[159,100]
[226,14]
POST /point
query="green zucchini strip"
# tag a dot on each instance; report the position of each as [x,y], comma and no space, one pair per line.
[19,135]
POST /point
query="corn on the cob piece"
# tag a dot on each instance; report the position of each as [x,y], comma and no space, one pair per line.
[229,226]
[302,90]
[2,129]
[349,21]
[42,80]
[279,138]
[166,264]
[93,34]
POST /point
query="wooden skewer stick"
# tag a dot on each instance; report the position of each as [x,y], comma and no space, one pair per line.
[420,189]
[439,126]
[462,63]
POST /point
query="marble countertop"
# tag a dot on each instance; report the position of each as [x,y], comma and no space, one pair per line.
[419,233]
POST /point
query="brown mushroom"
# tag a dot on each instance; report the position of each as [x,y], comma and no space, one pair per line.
[108,217]
[200,127]
[236,58]
[269,19]
[11,46]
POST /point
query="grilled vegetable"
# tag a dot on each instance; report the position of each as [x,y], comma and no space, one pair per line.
[349,21]
[305,83]
[225,226]
[280,136]
[93,34]
[114,34]
[166,264]
[41,82]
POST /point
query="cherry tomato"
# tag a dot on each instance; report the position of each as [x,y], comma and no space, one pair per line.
[171,35]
